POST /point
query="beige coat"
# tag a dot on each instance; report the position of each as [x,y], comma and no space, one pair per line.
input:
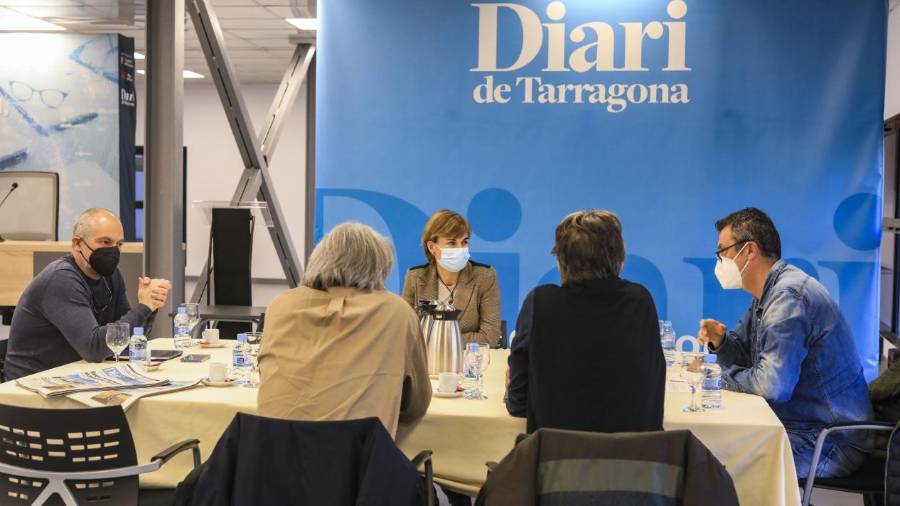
[342,354]
[477,294]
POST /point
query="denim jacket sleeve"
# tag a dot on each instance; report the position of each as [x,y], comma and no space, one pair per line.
[781,345]
[735,349]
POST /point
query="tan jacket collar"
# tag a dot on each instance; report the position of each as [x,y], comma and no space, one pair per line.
[462,295]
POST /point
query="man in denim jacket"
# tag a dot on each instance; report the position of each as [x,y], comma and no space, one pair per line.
[793,346]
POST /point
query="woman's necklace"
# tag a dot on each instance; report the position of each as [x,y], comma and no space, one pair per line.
[449,289]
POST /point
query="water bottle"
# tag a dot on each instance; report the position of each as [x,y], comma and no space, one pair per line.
[667,340]
[711,397]
[182,329]
[472,365]
[137,348]
[240,361]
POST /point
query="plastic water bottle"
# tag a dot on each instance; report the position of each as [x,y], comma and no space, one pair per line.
[472,365]
[182,329]
[711,397]
[137,348]
[240,361]
[667,340]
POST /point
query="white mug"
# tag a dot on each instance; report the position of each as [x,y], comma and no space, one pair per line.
[447,382]
[218,371]
[211,336]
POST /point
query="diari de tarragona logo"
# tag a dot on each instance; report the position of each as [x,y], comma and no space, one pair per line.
[592,54]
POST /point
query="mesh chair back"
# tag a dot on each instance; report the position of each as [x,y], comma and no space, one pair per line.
[67,440]
[892,471]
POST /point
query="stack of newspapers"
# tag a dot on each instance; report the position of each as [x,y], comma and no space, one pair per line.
[120,385]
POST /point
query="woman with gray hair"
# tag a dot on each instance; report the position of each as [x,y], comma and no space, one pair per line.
[339,346]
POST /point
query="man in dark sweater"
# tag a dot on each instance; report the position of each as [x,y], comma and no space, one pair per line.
[586,354]
[62,315]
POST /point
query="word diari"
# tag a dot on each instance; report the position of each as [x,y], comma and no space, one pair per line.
[594,50]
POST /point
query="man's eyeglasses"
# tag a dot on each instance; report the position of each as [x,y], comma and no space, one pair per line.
[726,248]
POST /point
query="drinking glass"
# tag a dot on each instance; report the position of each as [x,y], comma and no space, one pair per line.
[484,349]
[254,339]
[474,360]
[253,342]
[692,371]
[117,338]
[193,312]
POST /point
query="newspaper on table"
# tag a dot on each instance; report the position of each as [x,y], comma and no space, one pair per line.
[119,377]
[126,398]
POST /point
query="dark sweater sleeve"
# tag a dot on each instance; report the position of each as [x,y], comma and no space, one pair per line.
[123,307]
[655,357]
[67,305]
[517,395]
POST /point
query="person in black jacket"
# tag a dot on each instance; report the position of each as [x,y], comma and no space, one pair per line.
[586,354]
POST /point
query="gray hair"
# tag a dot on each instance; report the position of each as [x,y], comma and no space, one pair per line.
[352,255]
[84,224]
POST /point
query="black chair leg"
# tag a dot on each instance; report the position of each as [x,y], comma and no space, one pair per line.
[873,500]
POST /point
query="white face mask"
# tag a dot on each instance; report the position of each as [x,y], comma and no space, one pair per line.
[728,274]
[454,259]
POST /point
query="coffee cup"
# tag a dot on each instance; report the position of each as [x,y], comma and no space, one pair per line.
[218,372]
[211,336]
[447,382]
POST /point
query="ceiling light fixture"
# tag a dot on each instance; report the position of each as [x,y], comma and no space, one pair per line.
[187,74]
[308,24]
[14,21]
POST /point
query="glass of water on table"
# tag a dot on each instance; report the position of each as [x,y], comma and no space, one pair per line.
[117,338]
[693,374]
[254,340]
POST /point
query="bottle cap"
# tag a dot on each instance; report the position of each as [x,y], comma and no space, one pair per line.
[182,309]
[710,358]
[241,337]
[472,347]
[139,331]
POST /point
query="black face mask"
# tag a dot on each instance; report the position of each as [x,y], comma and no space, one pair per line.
[103,260]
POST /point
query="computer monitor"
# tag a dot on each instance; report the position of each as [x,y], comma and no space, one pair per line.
[30,211]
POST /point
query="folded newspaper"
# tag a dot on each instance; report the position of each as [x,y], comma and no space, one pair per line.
[126,398]
[119,377]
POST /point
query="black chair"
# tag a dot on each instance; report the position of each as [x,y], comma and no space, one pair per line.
[73,456]
[268,461]
[503,340]
[3,348]
[576,467]
[868,480]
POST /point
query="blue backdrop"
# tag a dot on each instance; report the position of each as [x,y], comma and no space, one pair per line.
[670,113]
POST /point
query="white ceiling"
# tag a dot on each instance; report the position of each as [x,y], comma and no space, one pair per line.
[256,34]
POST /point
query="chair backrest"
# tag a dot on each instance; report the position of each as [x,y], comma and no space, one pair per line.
[554,467]
[32,210]
[262,460]
[892,470]
[67,440]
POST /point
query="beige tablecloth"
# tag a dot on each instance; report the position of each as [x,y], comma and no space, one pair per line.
[745,435]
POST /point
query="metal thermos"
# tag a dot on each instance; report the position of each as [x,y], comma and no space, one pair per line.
[444,342]
[424,310]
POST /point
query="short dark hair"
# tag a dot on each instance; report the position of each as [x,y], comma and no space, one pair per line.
[751,224]
[589,245]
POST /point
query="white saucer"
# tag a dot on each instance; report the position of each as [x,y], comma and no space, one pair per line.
[227,383]
[446,395]
[204,344]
